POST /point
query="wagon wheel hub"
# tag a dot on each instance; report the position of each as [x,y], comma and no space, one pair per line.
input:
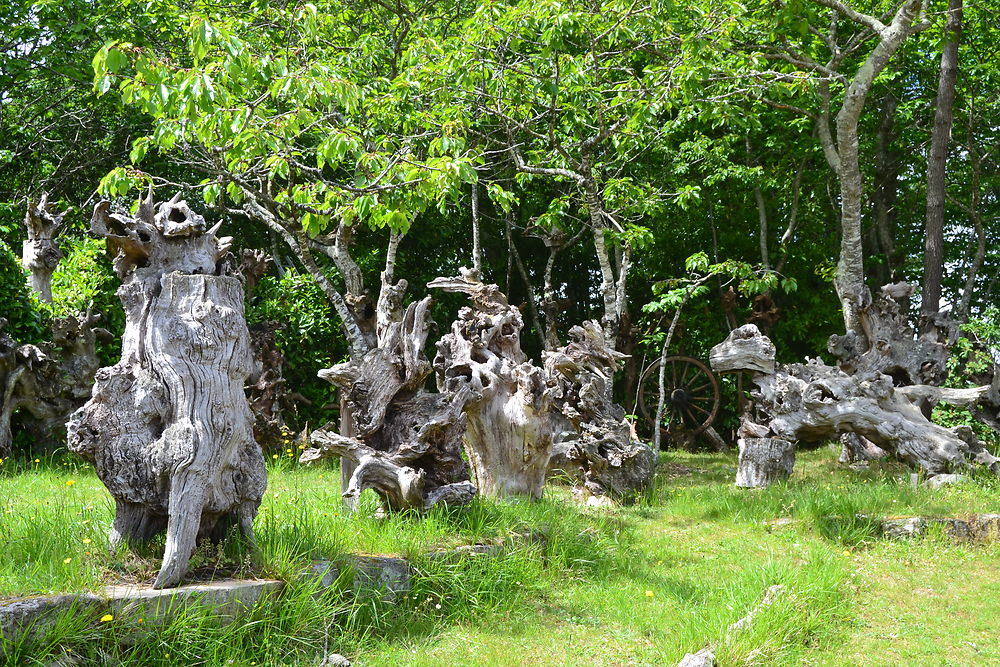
[679,397]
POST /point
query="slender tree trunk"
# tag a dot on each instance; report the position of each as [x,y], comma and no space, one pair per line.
[612,288]
[765,255]
[936,163]
[477,253]
[961,314]
[886,188]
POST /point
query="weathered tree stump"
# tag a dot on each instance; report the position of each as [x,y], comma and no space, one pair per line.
[813,402]
[168,427]
[763,461]
[12,358]
[594,443]
[40,253]
[506,398]
[407,442]
[267,391]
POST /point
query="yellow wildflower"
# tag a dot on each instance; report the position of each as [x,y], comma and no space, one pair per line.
[70,482]
[106,618]
[649,594]
[86,540]
[67,561]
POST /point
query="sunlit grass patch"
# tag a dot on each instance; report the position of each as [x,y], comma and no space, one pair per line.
[641,584]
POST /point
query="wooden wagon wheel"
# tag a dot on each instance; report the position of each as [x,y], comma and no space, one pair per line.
[691,400]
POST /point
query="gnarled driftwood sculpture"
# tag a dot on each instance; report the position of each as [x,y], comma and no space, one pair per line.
[407,445]
[813,402]
[893,347]
[168,427]
[46,383]
[40,254]
[594,443]
[506,398]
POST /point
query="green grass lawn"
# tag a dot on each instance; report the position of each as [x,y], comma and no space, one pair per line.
[638,585]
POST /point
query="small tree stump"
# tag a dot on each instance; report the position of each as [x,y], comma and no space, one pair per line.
[763,461]
[168,427]
[45,384]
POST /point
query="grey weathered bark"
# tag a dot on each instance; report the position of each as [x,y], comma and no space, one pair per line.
[40,254]
[46,384]
[407,442]
[893,347]
[763,461]
[936,162]
[813,402]
[168,427]
[267,391]
[506,398]
[594,444]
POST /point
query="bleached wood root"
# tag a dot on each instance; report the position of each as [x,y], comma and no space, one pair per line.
[893,347]
[406,443]
[595,444]
[168,427]
[813,402]
[507,399]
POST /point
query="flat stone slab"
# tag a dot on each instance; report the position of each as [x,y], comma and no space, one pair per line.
[23,618]
[227,599]
[975,528]
[387,575]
